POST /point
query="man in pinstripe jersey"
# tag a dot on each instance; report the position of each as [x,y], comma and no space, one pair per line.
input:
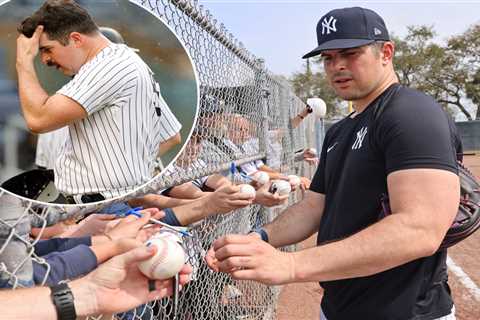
[116,116]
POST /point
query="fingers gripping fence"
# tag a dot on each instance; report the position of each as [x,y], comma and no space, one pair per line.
[244,116]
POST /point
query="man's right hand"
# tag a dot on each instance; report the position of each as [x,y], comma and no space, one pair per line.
[118,285]
[226,199]
[133,227]
[266,198]
[27,48]
[247,257]
[94,224]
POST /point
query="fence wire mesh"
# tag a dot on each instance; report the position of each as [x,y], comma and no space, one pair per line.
[244,116]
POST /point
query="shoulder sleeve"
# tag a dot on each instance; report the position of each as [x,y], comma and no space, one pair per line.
[414,132]
[101,82]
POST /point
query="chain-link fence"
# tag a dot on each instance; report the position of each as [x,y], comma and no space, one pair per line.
[244,116]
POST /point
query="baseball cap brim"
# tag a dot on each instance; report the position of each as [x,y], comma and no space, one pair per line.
[338,44]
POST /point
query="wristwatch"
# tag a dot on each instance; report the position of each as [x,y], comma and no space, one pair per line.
[62,298]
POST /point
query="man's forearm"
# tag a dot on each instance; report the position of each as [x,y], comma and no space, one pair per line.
[36,303]
[297,223]
[299,118]
[30,303]
[169,144]
[186,191]
[104,251]
[32,95]
[192,212]
[157,201]
[386,244]
[216,181]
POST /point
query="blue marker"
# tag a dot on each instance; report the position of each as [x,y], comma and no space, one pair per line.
[135,212]
[184,233]
[232,172]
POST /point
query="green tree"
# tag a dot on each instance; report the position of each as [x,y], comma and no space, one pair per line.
[442,72]
[467,47]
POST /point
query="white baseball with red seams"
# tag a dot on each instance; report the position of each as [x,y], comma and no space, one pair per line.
[281,187]
[294,180]
[261,177]
[167,261]
[247,189]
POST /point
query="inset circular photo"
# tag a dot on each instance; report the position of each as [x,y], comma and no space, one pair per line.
[96,99]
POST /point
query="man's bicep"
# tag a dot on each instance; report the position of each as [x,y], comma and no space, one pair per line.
[428,199]
[59,112]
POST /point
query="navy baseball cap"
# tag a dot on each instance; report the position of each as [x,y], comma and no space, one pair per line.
[348,28]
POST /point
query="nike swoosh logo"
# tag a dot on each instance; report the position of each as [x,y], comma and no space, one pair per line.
[331,147]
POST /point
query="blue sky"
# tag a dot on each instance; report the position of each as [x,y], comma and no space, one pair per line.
[281,31]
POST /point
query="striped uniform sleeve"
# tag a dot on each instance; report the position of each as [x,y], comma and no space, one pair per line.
[169,125]
[99,83]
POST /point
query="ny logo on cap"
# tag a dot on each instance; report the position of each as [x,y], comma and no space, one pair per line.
[329,25]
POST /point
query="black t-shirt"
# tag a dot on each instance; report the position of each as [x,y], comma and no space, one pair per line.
[357,155]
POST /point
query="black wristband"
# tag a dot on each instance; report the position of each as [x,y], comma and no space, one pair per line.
[62,298]
[263,234]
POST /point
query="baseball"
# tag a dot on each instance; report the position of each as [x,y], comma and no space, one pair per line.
[281,187]
[261,177]
[294,180]
[313,151]
[247,189]
[167,261]
[318,106]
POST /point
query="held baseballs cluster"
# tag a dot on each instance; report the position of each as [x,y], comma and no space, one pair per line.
[167,261]
[247,189]
[261,177]
[281,187]
[294,180]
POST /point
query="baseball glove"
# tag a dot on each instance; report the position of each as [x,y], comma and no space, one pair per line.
[37,184]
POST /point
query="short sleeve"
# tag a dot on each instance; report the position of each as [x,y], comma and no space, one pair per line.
[414,132]
[99,83]
[169,125]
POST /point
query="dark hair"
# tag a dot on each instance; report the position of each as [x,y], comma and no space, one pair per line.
[377,46]
[59,18]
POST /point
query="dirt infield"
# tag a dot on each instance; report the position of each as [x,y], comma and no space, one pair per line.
[301,301]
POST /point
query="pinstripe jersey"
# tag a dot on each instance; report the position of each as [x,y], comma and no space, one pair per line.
[49,145]
[113,149]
